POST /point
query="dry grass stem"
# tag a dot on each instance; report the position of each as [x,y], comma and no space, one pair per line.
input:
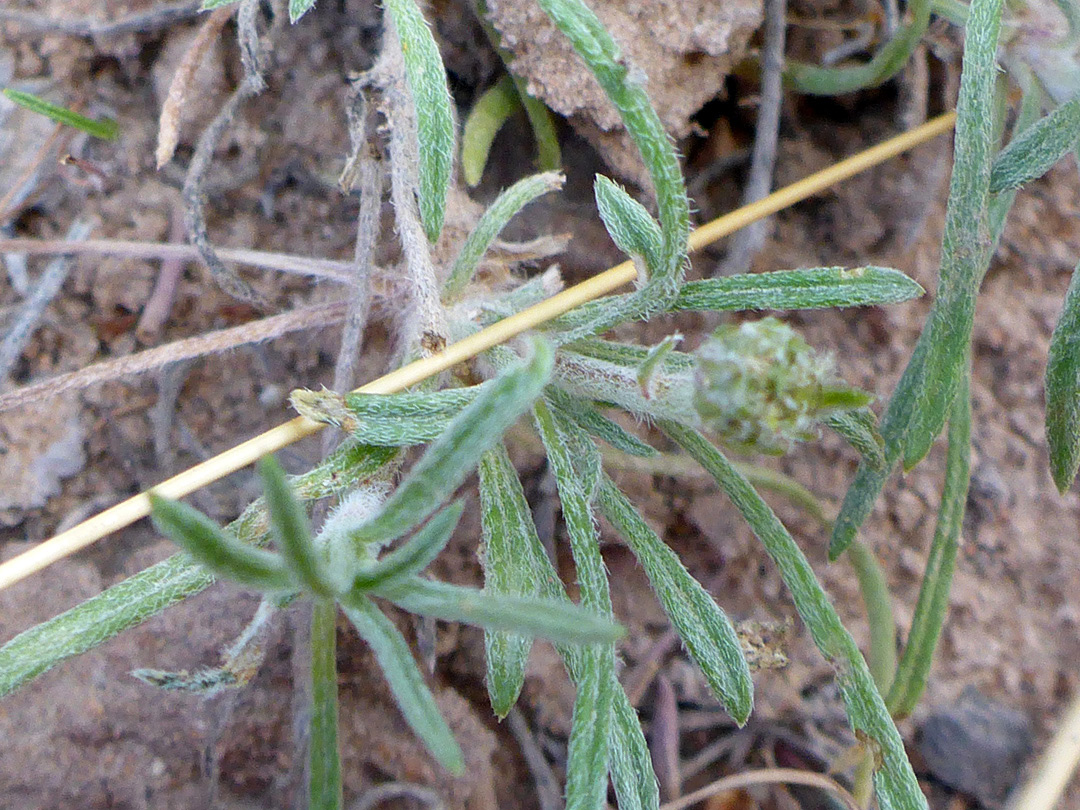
[171,110]
[548,792]
[766,776]
[329,269]
[21,188]
[212,342]
[141,21]
[46,288]
[137,507]
[1055,767]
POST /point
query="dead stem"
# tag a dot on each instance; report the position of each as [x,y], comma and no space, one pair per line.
[329,269]
[171,110]
[251,85]
[46,288]
[158,306]
[746,244]
[766,776]
[141,22]
[398,790]
[139,363]
[10,202]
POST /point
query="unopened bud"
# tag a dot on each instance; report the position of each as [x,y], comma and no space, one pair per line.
[760,386]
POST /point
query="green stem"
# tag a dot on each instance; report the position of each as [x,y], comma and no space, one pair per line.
[323,758]
[887,62]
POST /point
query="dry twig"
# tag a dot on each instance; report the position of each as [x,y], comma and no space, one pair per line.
[766,776]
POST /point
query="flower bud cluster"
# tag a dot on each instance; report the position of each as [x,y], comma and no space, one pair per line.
[759,385]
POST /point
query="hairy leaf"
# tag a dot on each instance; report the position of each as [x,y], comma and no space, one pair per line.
[449,460]
[1030,155]
[289,528]
[860,429]
[415,554]
[413,697]
[434,111]
[104,128]
[1063,391]
[500,212]
[483,123]
[814,288]
[559,622]
[630,226]
[324,759]
[208,543]
[703,627]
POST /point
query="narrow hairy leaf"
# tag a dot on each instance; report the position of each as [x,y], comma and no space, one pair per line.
[289,528]
[509,537]
[483,123]
[298,8]
[586,782]
[860,429]
[556,621]
[324,759]
[814,288]
[933,603]
[590,728]
[704,628]
[1030,155]
[415,554]
[100,618]
[413,697]
[391,420]
[1063,391]
[625,87]
[104,128]
[596,424]
[434,111]
[207,542]
[500,212]
[448,461]
[966,244]
[630,226]
[897,788]
[629,759]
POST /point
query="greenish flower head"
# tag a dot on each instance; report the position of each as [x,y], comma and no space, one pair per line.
[760,386]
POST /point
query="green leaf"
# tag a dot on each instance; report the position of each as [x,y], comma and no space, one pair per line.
[933,602]
[434,111]
[500,212]
[1031,154]
[703,627]
[416,554]
[966,244]
[289,527]
[629,758]
[298,8]
[814,288]
[597,425]
[590,729]
[207,542]
[1063,391]
[897,787]
[413,697]
[630,226]
[448,461]
[100,618]
[586,781]
[509,537]
[324,759]
[104,128]
[559,622]
[209,5]
[483,123]
[860,429]
[391,420]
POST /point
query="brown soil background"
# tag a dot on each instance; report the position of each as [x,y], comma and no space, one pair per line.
[88,735]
